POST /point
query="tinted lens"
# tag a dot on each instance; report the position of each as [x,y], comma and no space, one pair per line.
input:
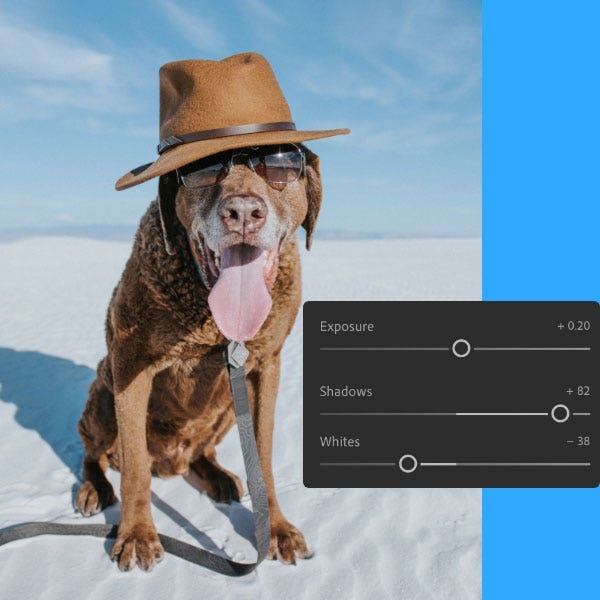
[275,164]
[202,173]
[278,164]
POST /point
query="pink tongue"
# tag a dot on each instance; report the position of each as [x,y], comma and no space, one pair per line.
[240,301]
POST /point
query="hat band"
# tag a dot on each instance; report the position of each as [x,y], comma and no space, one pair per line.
[209,134]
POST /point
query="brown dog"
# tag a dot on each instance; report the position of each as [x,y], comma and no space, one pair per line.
[161,401]
[215,259]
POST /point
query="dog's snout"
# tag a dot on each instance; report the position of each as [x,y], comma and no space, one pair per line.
[243,214]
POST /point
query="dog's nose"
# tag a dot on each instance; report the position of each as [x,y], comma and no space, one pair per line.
[243,214]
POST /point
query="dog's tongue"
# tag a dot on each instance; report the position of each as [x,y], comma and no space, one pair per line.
[239,300]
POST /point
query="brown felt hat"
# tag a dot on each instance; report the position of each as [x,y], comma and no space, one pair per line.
[208,106]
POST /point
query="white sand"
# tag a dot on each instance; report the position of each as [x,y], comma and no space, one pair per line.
[409,544]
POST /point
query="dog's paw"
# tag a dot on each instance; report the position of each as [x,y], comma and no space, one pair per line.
[224,487]
[218,483]
[287,543]
[91,499]
[139,545]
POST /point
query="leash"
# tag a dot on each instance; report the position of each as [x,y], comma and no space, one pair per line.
[235,358]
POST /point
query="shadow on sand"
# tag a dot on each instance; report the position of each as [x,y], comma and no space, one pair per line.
[50,394]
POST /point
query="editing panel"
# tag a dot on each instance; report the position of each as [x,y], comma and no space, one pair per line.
[451,394]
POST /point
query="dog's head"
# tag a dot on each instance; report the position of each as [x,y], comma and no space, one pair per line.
[236,229]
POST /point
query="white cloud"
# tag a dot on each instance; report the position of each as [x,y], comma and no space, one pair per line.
[417,132]
[418,65]
[342,81]
[65,218]
[43,71]
[33,53]
[428,50]
[258,8]
[199,31]
[65,95]
[443,38]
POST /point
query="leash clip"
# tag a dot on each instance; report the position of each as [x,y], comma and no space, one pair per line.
[237,353]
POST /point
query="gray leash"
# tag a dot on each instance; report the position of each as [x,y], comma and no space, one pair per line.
[235,357]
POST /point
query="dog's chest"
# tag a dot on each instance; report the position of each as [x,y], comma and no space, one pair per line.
[190,386]
[190,410]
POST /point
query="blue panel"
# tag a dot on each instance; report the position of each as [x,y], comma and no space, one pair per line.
[541,240]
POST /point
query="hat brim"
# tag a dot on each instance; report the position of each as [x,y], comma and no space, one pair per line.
[186,153]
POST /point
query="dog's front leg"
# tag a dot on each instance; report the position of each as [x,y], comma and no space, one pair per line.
[137,540]
[287,541]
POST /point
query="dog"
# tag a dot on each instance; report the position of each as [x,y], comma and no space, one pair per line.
[215,259]
[165,355]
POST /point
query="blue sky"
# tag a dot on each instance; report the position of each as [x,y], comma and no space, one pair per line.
[79,103]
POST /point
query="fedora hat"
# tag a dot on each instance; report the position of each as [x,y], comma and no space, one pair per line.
[209,106]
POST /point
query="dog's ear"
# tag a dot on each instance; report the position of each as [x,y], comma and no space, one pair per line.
[314,194]
[167,192]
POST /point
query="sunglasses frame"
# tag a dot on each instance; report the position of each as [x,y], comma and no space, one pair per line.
[249,153]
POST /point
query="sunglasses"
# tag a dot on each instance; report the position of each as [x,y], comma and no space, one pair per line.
[277,165]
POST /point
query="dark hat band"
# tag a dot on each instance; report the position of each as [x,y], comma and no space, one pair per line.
[210,134]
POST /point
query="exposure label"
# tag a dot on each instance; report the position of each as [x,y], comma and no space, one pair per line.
[329,327]
[451,394]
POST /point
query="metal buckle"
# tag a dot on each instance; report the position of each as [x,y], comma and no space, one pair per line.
[237,354]
[168,143]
